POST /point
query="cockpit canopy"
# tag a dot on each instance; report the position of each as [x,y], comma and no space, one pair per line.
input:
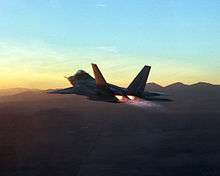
[80,76]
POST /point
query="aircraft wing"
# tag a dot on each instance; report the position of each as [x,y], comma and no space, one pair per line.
[69,90]
[155,93]
[155,96]
[83,90]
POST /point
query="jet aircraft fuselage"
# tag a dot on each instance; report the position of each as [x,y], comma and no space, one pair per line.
[98,89]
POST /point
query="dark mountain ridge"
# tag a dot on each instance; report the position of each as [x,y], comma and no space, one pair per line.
[179,85]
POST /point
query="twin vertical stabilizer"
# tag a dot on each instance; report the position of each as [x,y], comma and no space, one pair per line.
[100,80]
[137,86]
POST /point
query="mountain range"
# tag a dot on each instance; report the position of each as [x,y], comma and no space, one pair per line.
[178,87]
[15,91]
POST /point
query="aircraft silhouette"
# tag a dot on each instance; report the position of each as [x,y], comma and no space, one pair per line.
[98,89]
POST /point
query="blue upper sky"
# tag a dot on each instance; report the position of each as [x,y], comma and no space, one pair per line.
[49,38]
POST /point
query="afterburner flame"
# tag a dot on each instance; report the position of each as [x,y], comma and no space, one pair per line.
[131,97]
[119,97]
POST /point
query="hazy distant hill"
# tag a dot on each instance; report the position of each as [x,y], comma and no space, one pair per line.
[154,87]
[200,96]
[204,88]
[201,88]
[178,86]
[14,91]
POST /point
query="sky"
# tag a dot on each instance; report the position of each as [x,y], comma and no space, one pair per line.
[44,40]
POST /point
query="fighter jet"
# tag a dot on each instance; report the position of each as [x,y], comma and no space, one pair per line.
[98,89]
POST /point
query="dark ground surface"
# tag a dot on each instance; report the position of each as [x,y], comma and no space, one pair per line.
[43,134]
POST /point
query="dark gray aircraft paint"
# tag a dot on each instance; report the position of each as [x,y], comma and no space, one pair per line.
[98,89]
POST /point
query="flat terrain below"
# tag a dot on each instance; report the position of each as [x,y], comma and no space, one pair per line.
[47,134]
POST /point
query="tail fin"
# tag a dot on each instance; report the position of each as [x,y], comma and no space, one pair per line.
[138,84]
[100,80]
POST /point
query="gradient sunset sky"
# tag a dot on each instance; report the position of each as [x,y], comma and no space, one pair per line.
[44,40]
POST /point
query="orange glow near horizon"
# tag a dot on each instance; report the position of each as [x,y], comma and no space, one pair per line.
[13,77]
[58,81]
